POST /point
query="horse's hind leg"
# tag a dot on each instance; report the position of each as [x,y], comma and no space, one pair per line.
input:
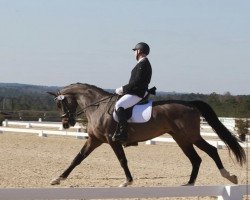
[213,153]
[192,155]
[195,160]
[88,147]
[119,152]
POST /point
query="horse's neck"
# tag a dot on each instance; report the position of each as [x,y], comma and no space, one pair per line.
[90,98]
[86,96]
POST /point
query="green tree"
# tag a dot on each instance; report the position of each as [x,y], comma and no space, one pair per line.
[242,128]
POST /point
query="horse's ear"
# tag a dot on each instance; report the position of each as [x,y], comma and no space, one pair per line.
[52,93]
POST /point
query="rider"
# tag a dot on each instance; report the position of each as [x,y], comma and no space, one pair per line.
[134,91]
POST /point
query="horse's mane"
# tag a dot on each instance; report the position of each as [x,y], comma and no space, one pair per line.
[84,86]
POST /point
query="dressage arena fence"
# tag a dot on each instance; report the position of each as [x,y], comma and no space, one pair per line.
[235,192]
[43,129]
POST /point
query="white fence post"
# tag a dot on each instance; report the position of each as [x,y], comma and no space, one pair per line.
[233,192]
[61,128]
[42,134]
[150,142]
[5,123]
[28,125]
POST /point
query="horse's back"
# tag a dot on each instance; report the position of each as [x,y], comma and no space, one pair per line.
[174,108]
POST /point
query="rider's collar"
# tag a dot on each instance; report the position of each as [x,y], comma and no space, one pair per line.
[141,59]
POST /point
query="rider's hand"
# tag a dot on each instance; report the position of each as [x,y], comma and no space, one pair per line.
[119,91]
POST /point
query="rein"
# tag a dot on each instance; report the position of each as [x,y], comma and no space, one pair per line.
[94,104]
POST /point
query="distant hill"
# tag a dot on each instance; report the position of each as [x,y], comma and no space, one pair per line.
[17,97]
[17,90]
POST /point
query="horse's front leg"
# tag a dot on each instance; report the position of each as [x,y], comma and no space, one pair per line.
[88,147]
[119,152]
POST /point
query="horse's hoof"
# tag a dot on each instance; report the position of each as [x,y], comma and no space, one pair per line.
[188,184]
[229,177]
[56,181]
[233,179]
[126,184]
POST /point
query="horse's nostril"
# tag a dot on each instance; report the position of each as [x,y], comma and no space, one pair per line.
[65,125]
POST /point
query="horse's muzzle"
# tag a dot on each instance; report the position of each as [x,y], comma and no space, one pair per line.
[68,121]
[65,123]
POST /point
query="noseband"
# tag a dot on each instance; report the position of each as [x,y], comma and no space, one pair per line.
[67,113]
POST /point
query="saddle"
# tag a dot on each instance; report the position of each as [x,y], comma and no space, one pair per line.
[140,112]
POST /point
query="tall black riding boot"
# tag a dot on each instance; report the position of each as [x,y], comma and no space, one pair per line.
[121,130]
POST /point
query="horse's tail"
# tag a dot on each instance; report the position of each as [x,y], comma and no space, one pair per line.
[224,134]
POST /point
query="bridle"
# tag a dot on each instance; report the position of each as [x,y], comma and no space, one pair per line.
[65,107]
[72,115]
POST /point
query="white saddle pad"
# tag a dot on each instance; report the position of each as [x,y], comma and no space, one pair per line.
[140,113]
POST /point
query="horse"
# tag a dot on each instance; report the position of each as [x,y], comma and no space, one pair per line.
[180,119]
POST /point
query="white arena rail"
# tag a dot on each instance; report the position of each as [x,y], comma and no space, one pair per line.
[44,133]
[32,124]
[28,127]
[235,192]
[216,143]
[82,135]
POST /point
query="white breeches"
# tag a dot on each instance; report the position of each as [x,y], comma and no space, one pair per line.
[127,101]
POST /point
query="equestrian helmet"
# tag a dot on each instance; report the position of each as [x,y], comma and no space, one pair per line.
[143,47]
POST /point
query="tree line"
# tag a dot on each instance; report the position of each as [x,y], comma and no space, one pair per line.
[24,102]
[225,105]
[27,102]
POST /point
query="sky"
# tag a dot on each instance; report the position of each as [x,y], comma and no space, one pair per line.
[197,46]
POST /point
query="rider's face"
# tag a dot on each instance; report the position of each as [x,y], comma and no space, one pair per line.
[136,53]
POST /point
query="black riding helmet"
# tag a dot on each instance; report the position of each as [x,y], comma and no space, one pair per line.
[143,47]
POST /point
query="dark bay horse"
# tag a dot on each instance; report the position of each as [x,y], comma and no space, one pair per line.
[180,119]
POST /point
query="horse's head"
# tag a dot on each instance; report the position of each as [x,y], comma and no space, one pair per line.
[74,95]
[67,104]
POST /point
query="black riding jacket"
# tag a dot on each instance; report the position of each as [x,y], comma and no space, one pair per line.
[139,79]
